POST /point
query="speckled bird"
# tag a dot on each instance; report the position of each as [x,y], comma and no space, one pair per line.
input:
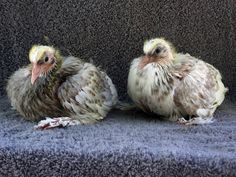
[176,86]
[66,90]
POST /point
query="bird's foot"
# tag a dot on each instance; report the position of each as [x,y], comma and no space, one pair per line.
[196,120]
[56,122]
[182,120]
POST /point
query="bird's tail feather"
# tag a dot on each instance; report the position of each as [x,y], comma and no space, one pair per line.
[125,106]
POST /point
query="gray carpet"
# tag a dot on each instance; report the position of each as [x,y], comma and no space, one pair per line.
[111,33]
[124,144]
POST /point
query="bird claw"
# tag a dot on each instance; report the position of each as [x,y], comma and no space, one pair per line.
[195,121]
[55,122]
[182,120]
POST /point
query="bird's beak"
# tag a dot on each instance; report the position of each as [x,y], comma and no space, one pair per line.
[36,71]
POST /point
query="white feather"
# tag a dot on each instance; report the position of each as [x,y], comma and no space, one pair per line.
[142,91]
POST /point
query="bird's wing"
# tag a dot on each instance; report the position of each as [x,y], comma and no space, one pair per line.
[197,85]
[89,94]
[18,84]
[183,65]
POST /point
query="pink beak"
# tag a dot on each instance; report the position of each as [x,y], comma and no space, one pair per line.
[36,71]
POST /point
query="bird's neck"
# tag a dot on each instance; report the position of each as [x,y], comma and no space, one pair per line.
[163,76]
[48,82]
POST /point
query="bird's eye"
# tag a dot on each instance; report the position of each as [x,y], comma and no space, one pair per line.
[46,59]
[157,51]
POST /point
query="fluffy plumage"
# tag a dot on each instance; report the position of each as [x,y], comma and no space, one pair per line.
[57,86]
[174,85]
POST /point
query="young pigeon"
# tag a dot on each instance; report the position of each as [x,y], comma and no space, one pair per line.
[64,88]
[176,86]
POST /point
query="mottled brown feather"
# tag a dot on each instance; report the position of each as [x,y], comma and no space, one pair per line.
[55,95]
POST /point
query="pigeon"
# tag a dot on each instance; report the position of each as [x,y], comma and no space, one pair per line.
[176,86]
[65,90]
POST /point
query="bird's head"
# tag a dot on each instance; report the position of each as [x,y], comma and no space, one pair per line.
[44,60]
[159,48]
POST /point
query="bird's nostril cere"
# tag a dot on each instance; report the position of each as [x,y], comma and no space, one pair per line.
[53,61]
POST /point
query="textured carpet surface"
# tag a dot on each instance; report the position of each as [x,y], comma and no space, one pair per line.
[124,144]
[111,33]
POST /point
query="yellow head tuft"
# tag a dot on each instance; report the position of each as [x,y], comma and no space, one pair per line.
[151,45]
[37,52]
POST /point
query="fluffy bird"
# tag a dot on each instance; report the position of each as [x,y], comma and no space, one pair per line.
[176,86]
[66,90]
